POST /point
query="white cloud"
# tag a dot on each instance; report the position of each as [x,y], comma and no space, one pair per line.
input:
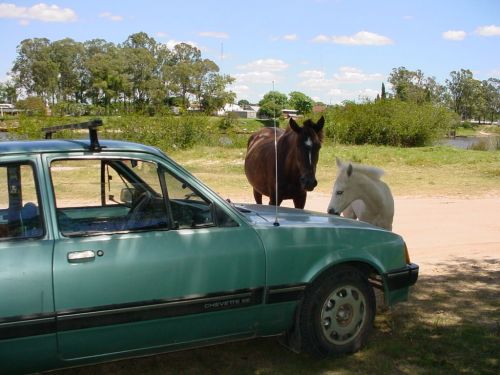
[256,77]
[290,37]
[362,38]
[161,34]
[494,73]
[111,17]
[240,90]
[214,34]
[369,93]
[355,75]
[321,39]
[312,74]
[491,30]
[454,35]
[316,79]
[336,92]
[339,95]
[39,12]
[265,65]
[346,83]
[262,71]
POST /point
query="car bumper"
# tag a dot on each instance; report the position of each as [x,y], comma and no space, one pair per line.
[402,277]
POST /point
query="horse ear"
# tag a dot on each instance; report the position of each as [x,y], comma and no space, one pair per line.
[339,162]
[295,127]
[319,125]
[349,170]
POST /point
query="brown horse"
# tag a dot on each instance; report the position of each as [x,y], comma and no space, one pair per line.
[297,151]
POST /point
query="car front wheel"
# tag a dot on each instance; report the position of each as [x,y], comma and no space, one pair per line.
[337,313]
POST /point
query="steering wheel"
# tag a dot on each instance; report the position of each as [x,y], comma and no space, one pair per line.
[138,214]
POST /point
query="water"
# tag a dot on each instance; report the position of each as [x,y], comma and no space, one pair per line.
[466,143]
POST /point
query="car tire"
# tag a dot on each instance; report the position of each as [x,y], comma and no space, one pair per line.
[337,313]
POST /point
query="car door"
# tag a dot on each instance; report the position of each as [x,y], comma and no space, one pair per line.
[144,259]
[27,320]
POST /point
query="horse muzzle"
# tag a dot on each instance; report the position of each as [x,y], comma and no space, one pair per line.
[331,211]
[308,183]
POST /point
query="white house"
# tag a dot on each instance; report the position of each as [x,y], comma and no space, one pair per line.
[247,112]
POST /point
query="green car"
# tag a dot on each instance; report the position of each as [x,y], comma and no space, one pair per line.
[111,250]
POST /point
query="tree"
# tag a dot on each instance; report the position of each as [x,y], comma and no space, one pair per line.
[488,107]
[383,94]
[107,77]
[301,102]
[8,92]
[139,73]
[272,104]
[205,78]
[243,102]
[413,86]
[494,101]
[213,93]
[68,55]
[462,88]
[181,70]
[34,71]
[139,55]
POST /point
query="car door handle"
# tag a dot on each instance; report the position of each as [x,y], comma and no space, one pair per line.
[81,256]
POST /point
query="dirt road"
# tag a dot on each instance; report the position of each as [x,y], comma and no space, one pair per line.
[440,230]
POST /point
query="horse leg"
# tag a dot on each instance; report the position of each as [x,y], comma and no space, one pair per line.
[300,200]
[272,200]
[257,196]
[349,213]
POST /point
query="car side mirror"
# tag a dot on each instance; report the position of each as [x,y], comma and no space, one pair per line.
[126,195]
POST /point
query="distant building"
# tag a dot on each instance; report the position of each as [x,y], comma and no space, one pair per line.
[7,108]
[246,112]
[288,113]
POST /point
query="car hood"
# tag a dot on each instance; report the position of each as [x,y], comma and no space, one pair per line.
[268,215]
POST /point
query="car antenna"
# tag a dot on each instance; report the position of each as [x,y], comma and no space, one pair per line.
[91,125]
[276,222]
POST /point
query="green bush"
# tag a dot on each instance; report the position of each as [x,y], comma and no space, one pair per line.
[388,122]
[164,132]
[71,109]
[32,106]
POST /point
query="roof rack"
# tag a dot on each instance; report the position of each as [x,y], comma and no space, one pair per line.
[90,125]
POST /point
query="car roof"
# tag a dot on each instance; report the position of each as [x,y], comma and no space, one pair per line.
[70,145]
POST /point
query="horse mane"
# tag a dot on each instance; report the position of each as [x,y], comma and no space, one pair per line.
[374,173]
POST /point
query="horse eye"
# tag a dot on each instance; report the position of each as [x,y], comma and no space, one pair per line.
[339,192]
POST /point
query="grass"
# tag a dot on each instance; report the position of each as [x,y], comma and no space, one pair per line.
[423,171]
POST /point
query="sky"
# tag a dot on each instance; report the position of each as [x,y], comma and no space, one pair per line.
[331,50]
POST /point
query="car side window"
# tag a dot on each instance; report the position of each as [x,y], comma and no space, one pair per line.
[189,208]
[95,196]
[20,215]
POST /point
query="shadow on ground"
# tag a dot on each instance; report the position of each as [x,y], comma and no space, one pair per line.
[451,325]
